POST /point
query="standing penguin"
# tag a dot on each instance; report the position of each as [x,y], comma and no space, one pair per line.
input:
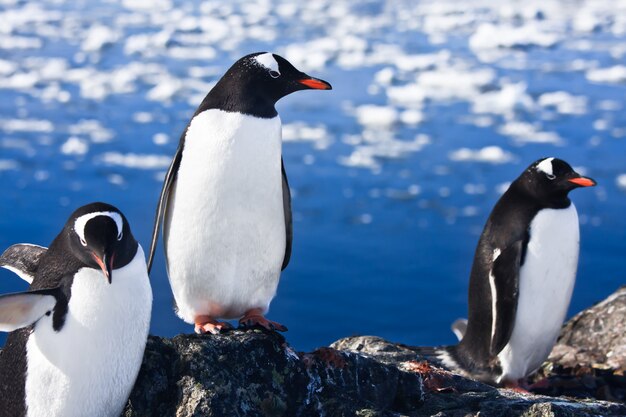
[78,334]
[225,203]
[522,277]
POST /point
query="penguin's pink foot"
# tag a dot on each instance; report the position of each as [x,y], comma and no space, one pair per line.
[255,317]
[206,324]
[519,386]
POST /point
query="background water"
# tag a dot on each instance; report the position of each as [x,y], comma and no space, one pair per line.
[436,106]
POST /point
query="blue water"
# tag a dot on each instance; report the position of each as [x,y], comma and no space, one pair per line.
[384,248]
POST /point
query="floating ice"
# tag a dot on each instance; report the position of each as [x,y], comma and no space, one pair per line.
[94,129]
[528,133]
[612,75]
[373,116]
[510,99]
[564,102]
[26,125]
[132,160]
[8,165]
[490,36]
[75,146]
[621,181]
[489,154]
[302,132]
[97,37]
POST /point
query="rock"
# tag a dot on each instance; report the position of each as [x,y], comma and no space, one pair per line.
[256,373]
[595,337]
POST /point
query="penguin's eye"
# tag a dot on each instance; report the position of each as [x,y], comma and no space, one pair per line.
[83,242]
[551,176]
[120,236]
[274,74]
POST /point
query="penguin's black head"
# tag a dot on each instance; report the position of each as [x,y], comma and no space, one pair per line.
[256,82]
[100,237]
[549,180]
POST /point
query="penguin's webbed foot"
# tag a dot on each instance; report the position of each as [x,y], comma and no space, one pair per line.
[255,317]
[520,386]
[206,324]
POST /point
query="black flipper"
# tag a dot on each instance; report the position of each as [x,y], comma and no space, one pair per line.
[288,218]
[23,259]
[505,272]
[169,181]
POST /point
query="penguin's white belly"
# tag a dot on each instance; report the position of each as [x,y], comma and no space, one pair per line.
[89,367]
[546,283]
[225,237]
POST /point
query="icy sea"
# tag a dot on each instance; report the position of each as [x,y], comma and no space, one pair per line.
[436,107]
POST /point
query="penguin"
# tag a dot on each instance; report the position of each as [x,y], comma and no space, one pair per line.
[77,336]
[225,205]
[522,278]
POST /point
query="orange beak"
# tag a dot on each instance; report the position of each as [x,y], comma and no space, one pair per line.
[583,181]
[315,84]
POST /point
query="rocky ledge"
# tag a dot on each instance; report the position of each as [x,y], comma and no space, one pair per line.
[257,373]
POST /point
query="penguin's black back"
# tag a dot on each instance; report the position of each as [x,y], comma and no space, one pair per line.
[508,222]
[13,371]
[57,268]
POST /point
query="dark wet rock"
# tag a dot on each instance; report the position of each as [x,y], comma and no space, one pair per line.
[256,373]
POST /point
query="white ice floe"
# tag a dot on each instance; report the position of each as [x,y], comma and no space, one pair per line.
[411,117]
[454,83]
[372,116]
[612,75]
[97,37]
[20,81]
[7,67]
[75,146]
[165,90]
[26,125]
[491,36]
[19,42]
[375,145]
[564,102]
[94,129]
[621,181]
[160,139]
[411,63]
[524,132]
[506,101]
[489,154]
[302,132]
[136,161]
[8,165]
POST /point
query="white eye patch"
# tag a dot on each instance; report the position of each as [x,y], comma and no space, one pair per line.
[81,222]
[545,166]
[268,61]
